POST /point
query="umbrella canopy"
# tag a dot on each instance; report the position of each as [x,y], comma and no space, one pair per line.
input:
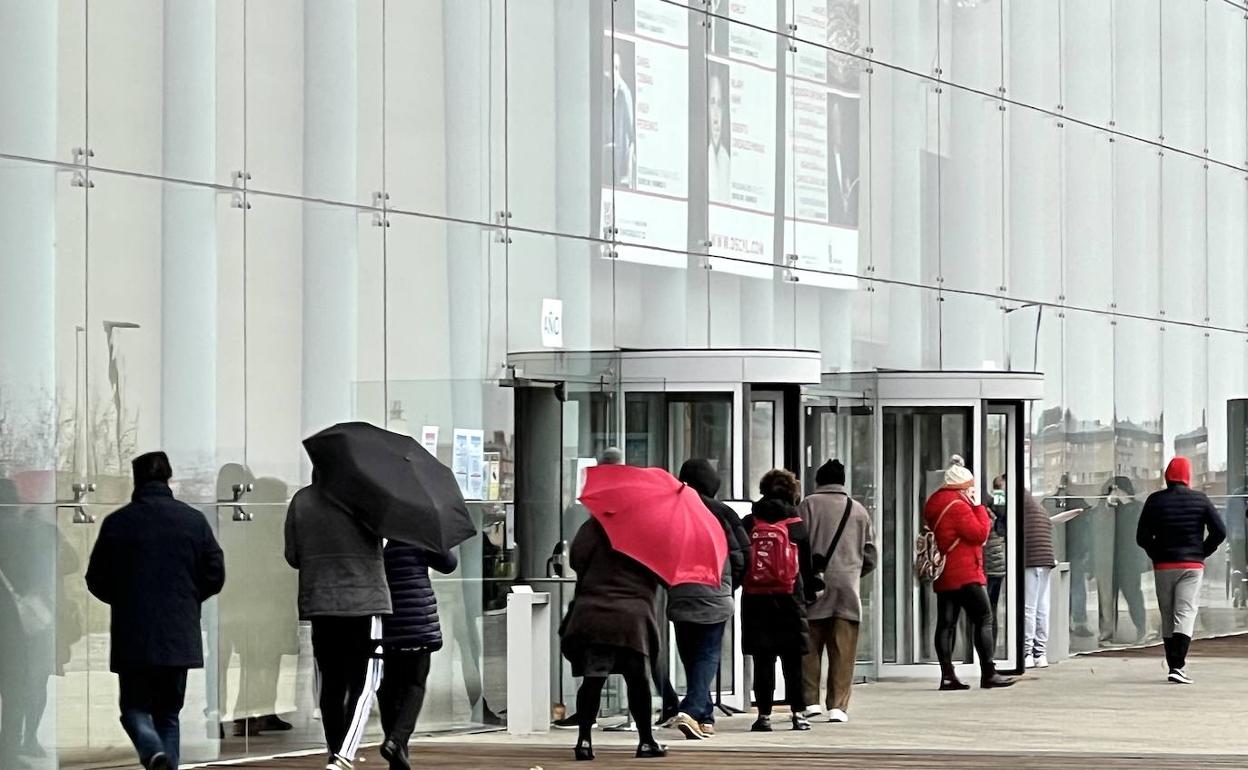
[660,522]
[392,484]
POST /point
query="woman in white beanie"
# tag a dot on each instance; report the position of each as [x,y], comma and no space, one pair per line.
[962,525]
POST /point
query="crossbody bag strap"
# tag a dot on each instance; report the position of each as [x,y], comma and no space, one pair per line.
[956,540]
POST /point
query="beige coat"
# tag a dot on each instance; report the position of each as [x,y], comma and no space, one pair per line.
[854,556]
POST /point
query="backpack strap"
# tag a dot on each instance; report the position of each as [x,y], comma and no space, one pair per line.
[940,518]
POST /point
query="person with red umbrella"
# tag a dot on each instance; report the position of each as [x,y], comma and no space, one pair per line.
[646,529]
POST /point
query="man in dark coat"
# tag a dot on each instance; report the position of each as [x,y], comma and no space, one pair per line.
[1179,528]
[155,563]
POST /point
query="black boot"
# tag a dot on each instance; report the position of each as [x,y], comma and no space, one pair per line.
[995,681]
[393,753]
[651,750]
[949,678]
[584,751]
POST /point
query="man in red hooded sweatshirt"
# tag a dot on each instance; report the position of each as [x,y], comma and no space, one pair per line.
[1179,528]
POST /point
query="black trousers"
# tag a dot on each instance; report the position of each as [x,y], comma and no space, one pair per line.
[973,599]
[402,694]
[342,647]
[765,682]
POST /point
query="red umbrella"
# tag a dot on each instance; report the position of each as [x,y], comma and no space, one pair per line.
[660,522]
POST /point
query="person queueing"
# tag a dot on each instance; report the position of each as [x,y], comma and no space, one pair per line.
[700,613]
[410,636]
[343,592]
[611,627]
[155,563]
[1179,528]
[1038,563]
[842,540]
[961,526]
[779,583]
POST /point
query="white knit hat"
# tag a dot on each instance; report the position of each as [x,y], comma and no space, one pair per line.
[957,475]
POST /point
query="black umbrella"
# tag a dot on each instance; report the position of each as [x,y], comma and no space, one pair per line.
[392,484]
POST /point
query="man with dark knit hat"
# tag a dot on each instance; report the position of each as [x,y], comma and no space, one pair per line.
[842,546]
[155,563]
[1179,528]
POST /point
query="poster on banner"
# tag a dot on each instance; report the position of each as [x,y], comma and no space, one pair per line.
[645,161]
[468,462]
[824,97]
[429,439]
[741,138]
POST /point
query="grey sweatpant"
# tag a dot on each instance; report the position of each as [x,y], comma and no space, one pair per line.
[1178,597]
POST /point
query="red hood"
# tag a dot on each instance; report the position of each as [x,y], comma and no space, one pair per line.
[1179,471]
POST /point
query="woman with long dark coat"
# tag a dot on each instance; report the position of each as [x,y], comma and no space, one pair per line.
[773,623]
[611,628]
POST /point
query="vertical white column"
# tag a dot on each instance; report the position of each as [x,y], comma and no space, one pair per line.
[330,233]
[188,355]
[468,172]
[28,97]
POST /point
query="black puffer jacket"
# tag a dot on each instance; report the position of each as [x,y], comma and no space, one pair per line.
[704,480]
[1174,523]
[414,622]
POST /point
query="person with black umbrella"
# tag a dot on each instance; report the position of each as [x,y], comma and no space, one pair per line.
[343,592]
[368,484]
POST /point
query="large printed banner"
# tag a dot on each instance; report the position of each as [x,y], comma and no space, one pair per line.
[649,126]
[741,83]
[646,163]
[823,104]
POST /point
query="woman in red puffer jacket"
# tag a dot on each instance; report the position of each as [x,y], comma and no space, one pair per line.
[962,525]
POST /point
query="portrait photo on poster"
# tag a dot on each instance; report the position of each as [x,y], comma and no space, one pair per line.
[620,139]
[719,134]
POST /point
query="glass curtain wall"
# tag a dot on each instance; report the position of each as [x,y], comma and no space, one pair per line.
[228,224]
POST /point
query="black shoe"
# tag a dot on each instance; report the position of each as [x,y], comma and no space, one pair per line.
[665,717]
[393,753]
[953,684]
[800,723]
[159,761]
[651,750]
[584,751]
[274,723]
[249,728]
[761,725]
[996,682]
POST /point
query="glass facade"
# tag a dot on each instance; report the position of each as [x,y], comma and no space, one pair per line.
[224,225]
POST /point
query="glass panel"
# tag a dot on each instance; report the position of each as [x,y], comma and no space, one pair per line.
[1089,201]
[559,293]
[904,176]
[701,428]
[1228,243]
[1137,228]
[658,302]
[1034,192]
[1087,65]
[1183,80]
[166,88]
[1137,67]
[1185,232]
[905,34]
[972,193]
[557,70]
[314,99]
[1034,73]
[1226,71]
[972,333]
[444,107]
[971,45]
[1086,435]
[763,441]
[43,50]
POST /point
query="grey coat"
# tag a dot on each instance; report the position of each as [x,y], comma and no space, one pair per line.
[855,555]
[342,571]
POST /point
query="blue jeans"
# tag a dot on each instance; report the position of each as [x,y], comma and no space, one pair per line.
[151,701]
[699,648]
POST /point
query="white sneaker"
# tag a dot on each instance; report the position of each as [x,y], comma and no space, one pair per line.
[1179,676]
[812,711]
[1029,662]
[689,726]
[838,716]
[1042,661]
